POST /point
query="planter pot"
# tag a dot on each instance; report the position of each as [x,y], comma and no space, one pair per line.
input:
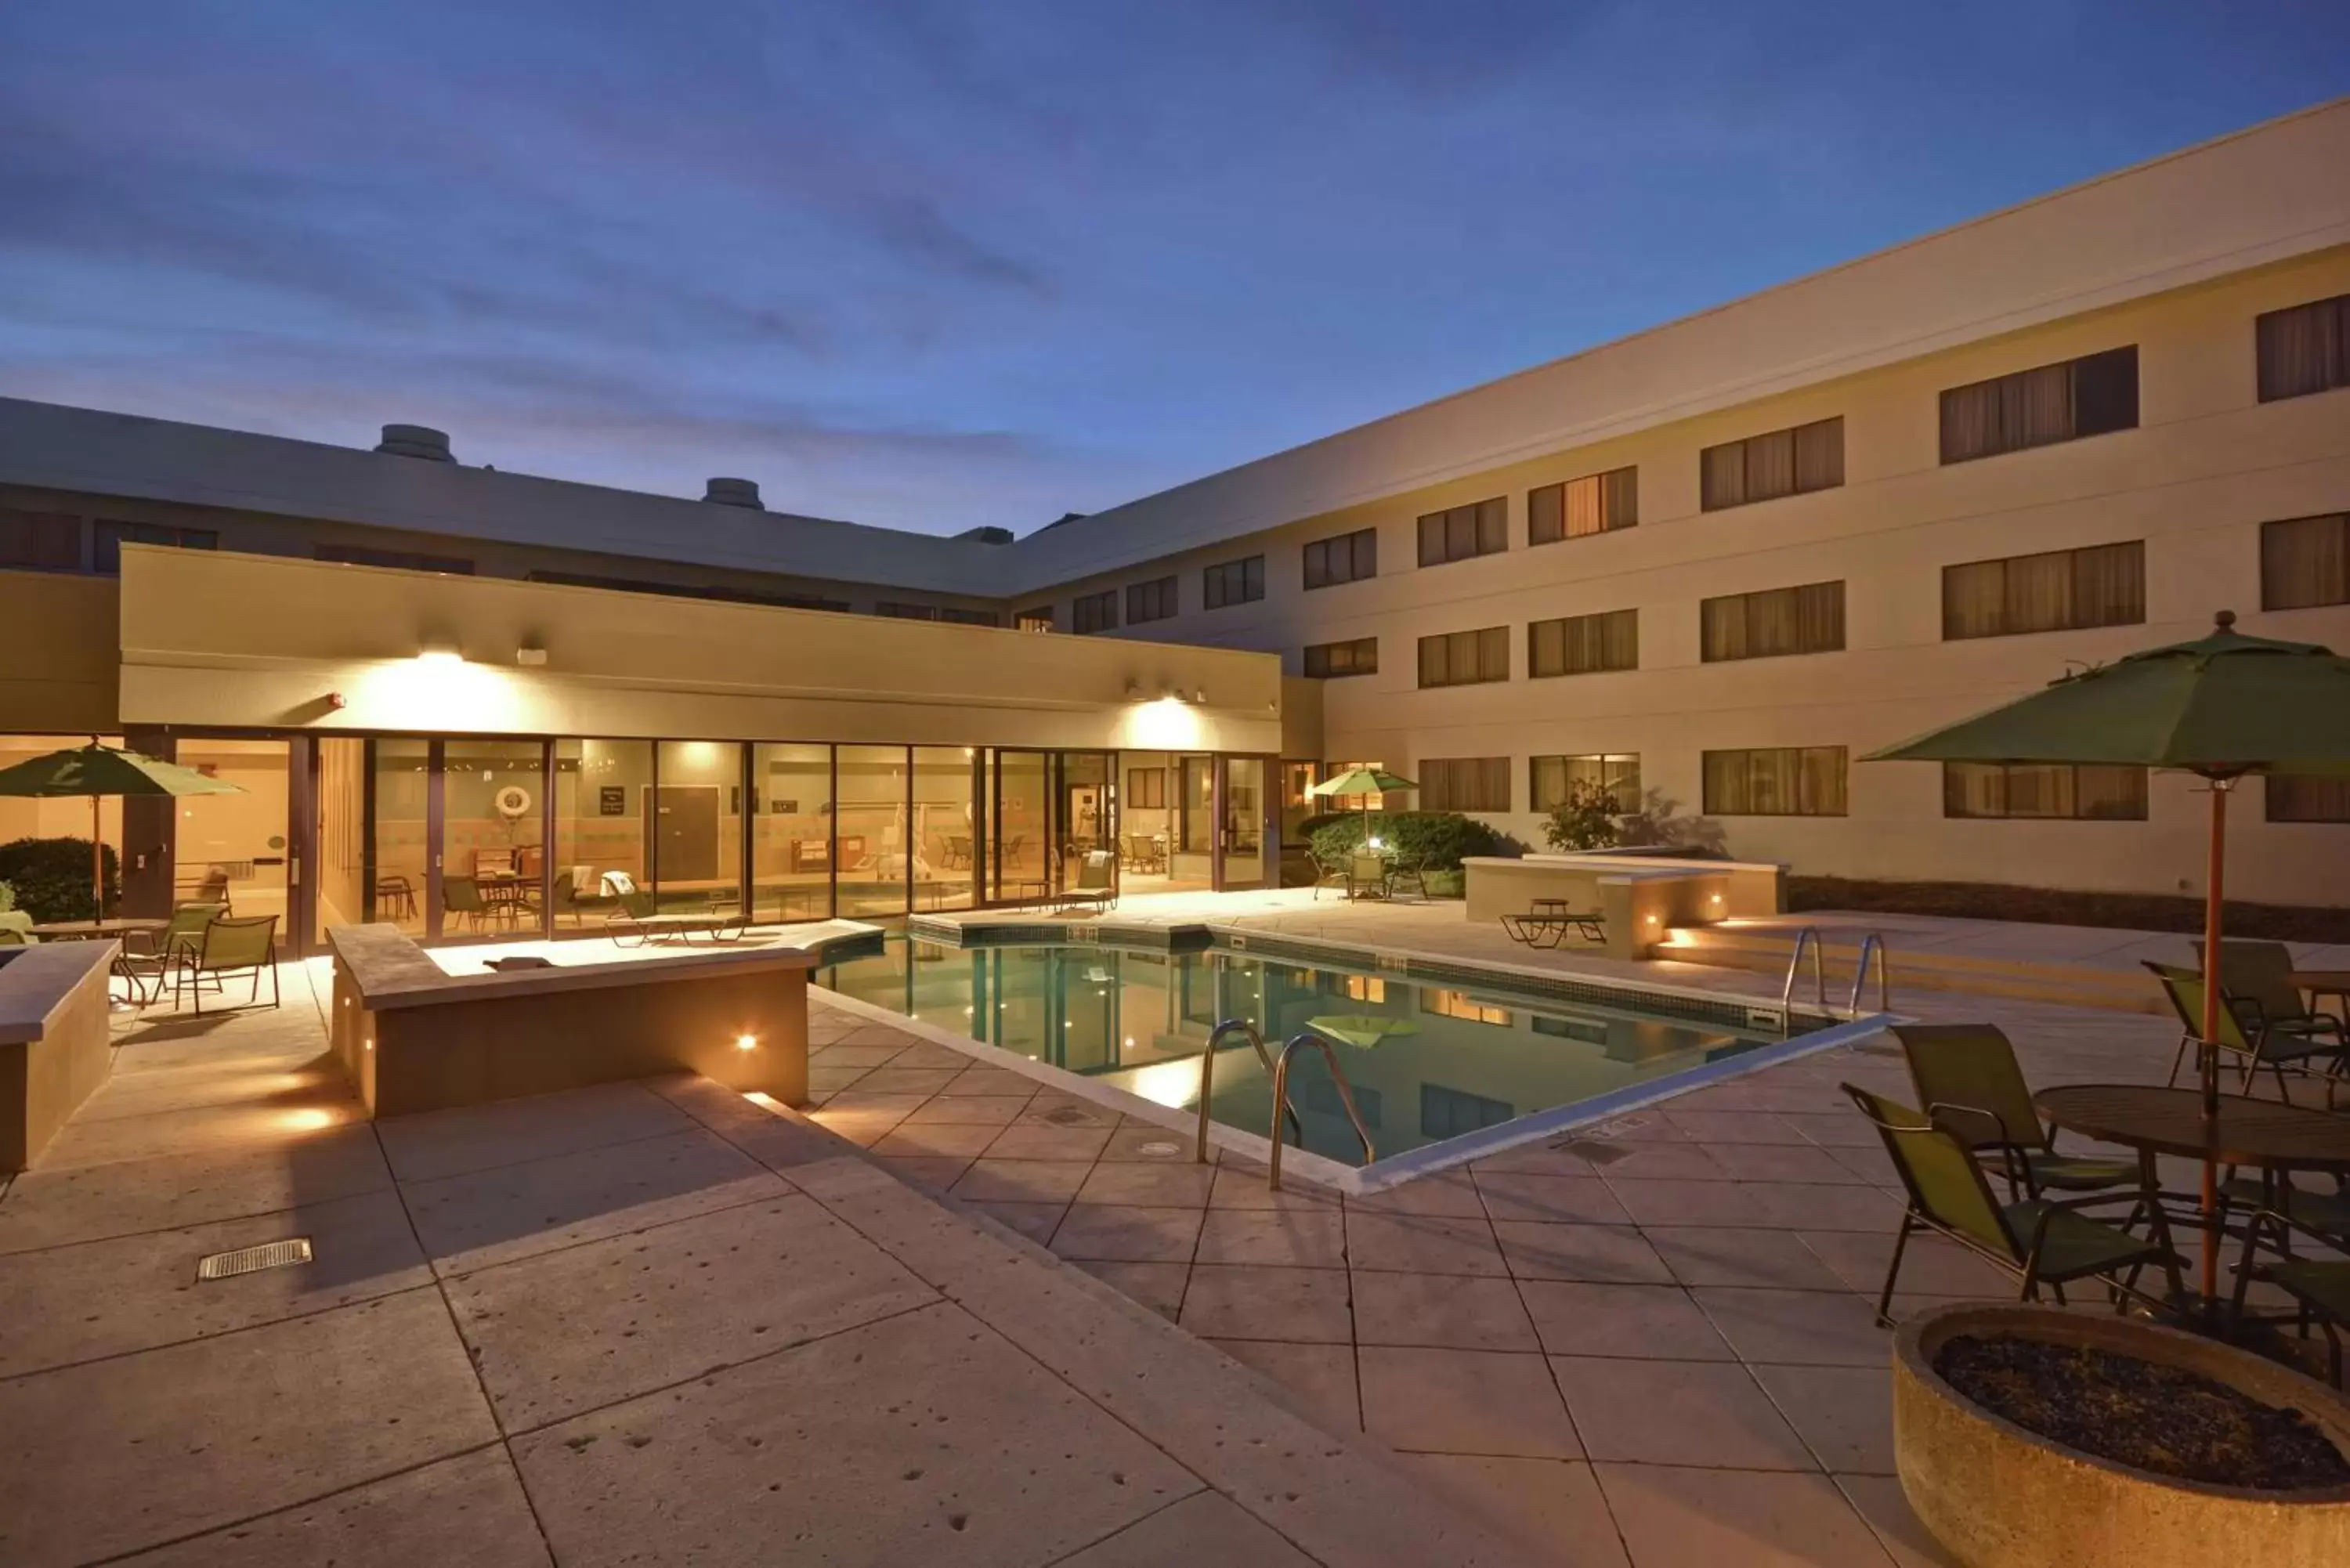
[1994,1493]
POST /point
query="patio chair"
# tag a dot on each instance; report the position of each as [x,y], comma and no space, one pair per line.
[2321,1291]
[1328,872]
[2041,1242]
[230,946]
[1367,874]
[1407,871]
[213,888]
[1097,888]
[461,897]
[2266,1001]
[2274,1049]
[1967,1078]
[183,935]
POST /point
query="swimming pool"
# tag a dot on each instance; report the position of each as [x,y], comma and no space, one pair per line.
[1428,1061]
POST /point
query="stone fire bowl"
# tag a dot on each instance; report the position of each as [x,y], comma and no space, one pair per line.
[1996,1494]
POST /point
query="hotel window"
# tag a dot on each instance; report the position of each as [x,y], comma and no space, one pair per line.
[1465,657]
[1330,660]
[1459,1004]
[1464,784]
[1764,467]
[2059,590]
[1153,600]
[1771,622]
[1555,779]
[1094,612]
[1146,789]
[2086,397]
[1037,619]
[1775,781]
[1583,644]
[689,591]
[1232,582]
[1481,528]
[2305,349]
[2081,793]
[42,541]
[108,537]
[1349,558]
[2308,797]
[400,560]
[1594,504]
[2305,562]
[897,611]
[1351,801]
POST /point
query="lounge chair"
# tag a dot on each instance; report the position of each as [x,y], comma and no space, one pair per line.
[2275,1049]
[1097,888]
[2041,1242]
[1967,1078]
[229,946]
[637,919]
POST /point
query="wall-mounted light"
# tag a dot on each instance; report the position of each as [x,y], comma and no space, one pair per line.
[1199,695]
[746,1042]
[533,656]
[440,655]
[335,701]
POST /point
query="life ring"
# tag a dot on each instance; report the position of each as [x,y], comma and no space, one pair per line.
[514,801]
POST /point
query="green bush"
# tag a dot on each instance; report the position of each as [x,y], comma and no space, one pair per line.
[1585,819]
[1437,839]
[51,876]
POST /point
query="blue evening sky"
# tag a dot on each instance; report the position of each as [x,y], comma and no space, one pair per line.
[940,263]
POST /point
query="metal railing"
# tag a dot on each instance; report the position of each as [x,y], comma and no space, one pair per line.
[1872,943]
[1208,1080]
[1808,937]
[1280,1098]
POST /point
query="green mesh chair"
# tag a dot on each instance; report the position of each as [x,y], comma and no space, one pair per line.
[1968,1079]
[2275,1049]
[183,935]
[2041,1242]
[2321,1291]
[231,946]
[461,897]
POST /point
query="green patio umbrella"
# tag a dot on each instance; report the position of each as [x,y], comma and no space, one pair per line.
[2222,707]
[1363,780]
[100,771]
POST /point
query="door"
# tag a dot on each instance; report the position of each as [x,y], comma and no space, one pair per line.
[685,832]
[1247,843]
[1021,826]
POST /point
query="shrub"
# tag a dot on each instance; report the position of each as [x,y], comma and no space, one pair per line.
[1585,819]
[51,878]
[1437,839]
[1659,823]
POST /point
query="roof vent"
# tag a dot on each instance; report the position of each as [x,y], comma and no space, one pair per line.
[735,493]
[987,535]
[416,440]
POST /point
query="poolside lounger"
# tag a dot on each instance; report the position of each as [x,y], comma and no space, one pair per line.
[1097,887]
[638,917]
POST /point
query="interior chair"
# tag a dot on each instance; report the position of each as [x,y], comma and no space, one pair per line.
[2041,1242]
[1967,1078]
[461,896]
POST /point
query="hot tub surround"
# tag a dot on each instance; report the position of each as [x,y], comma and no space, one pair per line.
[55,1041]
[414,1037]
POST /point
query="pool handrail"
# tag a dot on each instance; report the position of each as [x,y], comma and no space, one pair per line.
[1207,1075]
[1280,1098]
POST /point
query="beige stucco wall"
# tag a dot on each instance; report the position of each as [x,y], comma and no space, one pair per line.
[56,1042]
[58,671]
[2207,464]
[221,639]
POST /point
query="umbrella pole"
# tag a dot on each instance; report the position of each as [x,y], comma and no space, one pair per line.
[97,863]
[2209,1055]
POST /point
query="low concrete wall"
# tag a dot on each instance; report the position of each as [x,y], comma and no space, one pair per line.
[414,1037]
[56,1043]
[1642,898]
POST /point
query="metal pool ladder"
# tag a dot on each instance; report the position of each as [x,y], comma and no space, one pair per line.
[1280,1098]
[1807,937]
[1208,1077]
[1872,943]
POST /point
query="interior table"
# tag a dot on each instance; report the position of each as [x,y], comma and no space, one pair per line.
[2275,1138]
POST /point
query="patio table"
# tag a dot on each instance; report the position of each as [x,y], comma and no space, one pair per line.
[122,927]
[2319,982]
[2275,1138]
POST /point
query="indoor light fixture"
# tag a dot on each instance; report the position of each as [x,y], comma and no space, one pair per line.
[746,1042]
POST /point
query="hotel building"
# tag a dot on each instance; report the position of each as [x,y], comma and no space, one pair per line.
[1720,560]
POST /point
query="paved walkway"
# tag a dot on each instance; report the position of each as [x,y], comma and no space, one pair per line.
[648,1322]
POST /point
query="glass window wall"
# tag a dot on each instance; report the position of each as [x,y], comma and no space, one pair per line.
[876,858]
[697,827]
[399,802]
[791,839]
[946,825]
[600,789]
[492,837]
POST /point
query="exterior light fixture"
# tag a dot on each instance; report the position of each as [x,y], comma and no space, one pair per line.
[746,1042]
[440,656]
[1199,695]
[530,656]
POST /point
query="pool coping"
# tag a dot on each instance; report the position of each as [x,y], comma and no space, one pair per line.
[1391,1170]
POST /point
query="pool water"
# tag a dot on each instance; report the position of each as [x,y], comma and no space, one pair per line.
[1426,1061]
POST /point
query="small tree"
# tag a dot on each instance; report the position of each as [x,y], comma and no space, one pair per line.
[1585,819]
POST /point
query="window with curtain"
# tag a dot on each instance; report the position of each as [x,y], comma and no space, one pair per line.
[2057,590]
[2308,797]
[1146,789]
[2080,793]
[1329,661]
[1153,600]
[1583,644]
[1773,621]
[1481,528]
[1465,657]
[1594,504]
[1779,462]
[42,541]
[1555,779]
[1094,612]
[1232,582]
[1464,784]
[107,537]
[2090,396]
[1775,781]
[1348,557]
[2305,562]
[2305,349]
